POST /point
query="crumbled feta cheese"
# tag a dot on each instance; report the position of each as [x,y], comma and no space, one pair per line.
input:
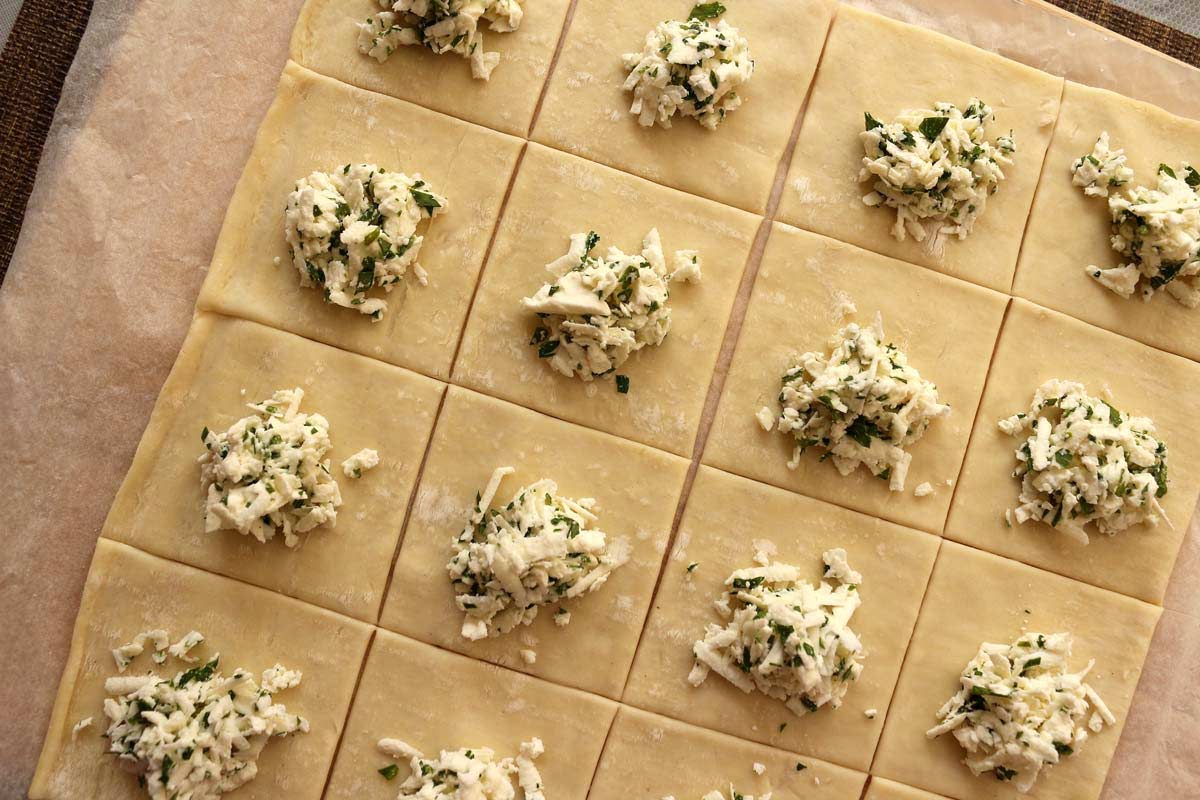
[1101,169]
[599,310]
[529,657]
[182,649]
[1018,710]
[759,769]
[126,653]
[269,473]
[444,26]
[862,404]
[562,618]
[691,68]
[467,774]
[923,489]
[199,734]
[355,229]
[787,638]
[871,713]
[934,167]
[360,462]
[86,722]
[537,550]
[716,794]
[1084,461]
[1156,229]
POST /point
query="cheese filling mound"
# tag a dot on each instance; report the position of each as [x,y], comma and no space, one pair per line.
[354,230]
[1019,711]
[862,404]
[269,473]
[692,68]
[444,26]
[1156,230]
[1084,461]
[935,167]
[537,550]
[785,637]
[600,309]
[199,734]
[467,774]
[1101,170]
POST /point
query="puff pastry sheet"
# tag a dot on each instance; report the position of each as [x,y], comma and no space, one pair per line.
[127,592]
[554,196]
[326,35]
[948,328]
[587,113]
[226,363]
[1054,257]
[650,756]
[859,73]
[435,700]
[726,519]
[636,488]
[316,123]
[1037,345]
[977,597]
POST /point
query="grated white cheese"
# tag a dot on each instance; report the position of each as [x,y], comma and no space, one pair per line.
[467,774]
[935,168]
[600,310]
[268,472]
[1101,169]
[355,229]
[785,637]
[1157,230]
[871,713]
[84,723]
[360,462]
[759,769]
[199,734]
[529,657]
[1083,461]
[1019,711]
[693,68]
[862,404]
[923,489]
[539,549]
[443,26]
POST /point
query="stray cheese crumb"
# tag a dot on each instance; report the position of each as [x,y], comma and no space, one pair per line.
[785,637]
[923,489]
[199,734]
[692,68]
[1019,711]
[759,769]
[1157,230]
[862,404]
[466,774]
[1083,461]
[871,713]
[355,229]
[268,472]
[360,462]
[529,656]
[600,310]
[443,26]
[86,722]
[935,168]
[537,550]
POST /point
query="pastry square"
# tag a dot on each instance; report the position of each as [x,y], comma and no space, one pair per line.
[651,756]
[225,363]
[883,789]
[636,488]
[726,519]
[554,196]
[858,74]
[586,112]
[1054,258]
[947,327]
[976,597]
[326,40]
[320,124]
[1037,345]
[127,592]
[435,700]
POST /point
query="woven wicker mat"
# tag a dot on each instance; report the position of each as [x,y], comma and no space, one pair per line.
[47,32]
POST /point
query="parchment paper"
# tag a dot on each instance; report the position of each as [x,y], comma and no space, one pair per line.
[156,121]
